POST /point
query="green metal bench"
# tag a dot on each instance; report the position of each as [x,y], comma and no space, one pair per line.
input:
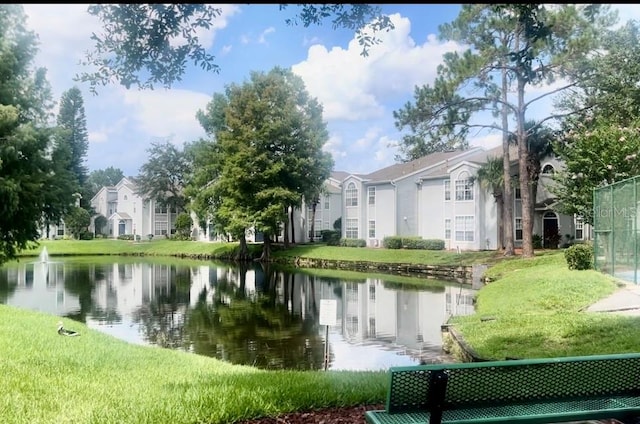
[516,391]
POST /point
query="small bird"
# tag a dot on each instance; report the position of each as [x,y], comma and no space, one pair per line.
[64,332]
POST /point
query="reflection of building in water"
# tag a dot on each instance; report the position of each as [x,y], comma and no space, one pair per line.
[42,287]
[371,312]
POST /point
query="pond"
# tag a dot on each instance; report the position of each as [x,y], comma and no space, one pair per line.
[250,314]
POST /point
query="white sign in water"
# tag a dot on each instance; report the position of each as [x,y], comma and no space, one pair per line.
[328,311]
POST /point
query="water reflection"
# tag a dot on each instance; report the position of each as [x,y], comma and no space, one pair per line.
[249,314]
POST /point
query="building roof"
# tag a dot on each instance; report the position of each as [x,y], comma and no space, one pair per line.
[426,163]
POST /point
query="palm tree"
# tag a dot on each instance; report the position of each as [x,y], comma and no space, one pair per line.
[539,141]
[491,176]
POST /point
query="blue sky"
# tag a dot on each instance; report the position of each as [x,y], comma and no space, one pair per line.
[358,94]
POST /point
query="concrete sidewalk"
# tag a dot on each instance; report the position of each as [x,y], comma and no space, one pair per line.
[625,301]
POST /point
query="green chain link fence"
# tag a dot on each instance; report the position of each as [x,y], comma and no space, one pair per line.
[615,226]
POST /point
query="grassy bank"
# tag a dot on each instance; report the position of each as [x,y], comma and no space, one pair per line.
[96,378]
[535,308]
[164,247]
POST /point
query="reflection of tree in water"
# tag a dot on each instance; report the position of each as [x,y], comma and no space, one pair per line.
[259,330]
[161,319]
[80,281]
[8,283]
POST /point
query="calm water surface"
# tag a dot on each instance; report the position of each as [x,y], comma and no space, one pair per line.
[251,315]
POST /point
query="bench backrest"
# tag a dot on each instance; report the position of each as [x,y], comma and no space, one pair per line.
[452,386]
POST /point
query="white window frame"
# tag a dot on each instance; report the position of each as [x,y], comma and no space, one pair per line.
[447,228]
[465,228]
[579,226]
[371,195]
[447,190]
[464,188]
[351,195]
[372,228]
[351,228]
[518,227]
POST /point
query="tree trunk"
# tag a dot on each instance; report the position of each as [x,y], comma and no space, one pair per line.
[500,207]
[312,226]
[285,236]
[243,250]
[523,168]
[507,199]
[266,249]
[293,227]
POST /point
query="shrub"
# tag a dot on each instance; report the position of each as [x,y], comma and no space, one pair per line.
[579,256]
[433,244]
[392,242]
[411,242]
[86,235]
[536,239]
[352,242]
[332,238]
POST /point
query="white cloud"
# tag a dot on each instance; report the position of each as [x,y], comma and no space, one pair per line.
[225,50]
[353,87]
[334,146]
[96,137]
[167,113]
[262,39]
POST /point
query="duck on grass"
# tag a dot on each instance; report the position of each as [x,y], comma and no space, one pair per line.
[65,332]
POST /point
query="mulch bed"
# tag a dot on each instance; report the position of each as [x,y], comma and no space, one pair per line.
[347,415]
[355,415]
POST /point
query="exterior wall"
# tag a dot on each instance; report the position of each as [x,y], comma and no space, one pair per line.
[382,213]
[407,208]
[353,214]
[432,209]
[464,214]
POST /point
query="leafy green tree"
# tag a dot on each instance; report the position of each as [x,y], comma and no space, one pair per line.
[599,145]
[25,109]
[267,152]
[596,154]
[103,178]
[145,45]
[72,125]
[99,223]
[77,221]
[62,183]
[183,226]
[162,178]
[521,46]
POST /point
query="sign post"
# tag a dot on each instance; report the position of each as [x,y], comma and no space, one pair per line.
[328,314]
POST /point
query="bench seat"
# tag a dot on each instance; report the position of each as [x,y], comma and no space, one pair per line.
[548,412]
[544,390]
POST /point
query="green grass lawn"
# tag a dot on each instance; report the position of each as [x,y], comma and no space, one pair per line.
[535,308]
[95,378]
[165,247]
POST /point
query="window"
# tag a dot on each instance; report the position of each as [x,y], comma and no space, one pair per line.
[518,193]
[161,209]
[579,228]
[161,228]
[372,292]
[465,227]
[447,229]
[317,229]
[447,190]
[125,197]
[60,229]
[464,188]
[351,230]
[326,202]
[372,228]
[372,195]
[548,169]
[352,195]
[518,228]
